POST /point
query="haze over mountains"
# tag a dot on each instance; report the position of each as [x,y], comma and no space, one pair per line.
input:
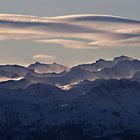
[97,101]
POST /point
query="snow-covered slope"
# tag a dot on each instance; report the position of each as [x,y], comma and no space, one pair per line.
[8,74]
[101,63]
[15,84]
[120,67]
[47,68]
[15,69]
[123,69]
[70,77]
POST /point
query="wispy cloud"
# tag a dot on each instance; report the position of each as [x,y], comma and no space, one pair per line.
[66,43]
[75,31]
[45,58]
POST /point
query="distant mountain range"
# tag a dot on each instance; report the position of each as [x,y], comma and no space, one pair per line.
[59,75]
[99,101]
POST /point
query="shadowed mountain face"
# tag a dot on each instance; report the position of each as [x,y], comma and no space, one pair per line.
[100,100]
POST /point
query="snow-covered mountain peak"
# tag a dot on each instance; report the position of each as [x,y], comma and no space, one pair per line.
[47,68]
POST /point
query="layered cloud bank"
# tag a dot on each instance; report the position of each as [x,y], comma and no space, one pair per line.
[74,31]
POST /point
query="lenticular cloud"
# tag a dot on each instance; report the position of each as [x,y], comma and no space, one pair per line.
[74,31]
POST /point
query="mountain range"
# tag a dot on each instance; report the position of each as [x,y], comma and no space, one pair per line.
[99,101]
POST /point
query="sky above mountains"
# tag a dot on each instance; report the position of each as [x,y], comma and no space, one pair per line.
[68,40]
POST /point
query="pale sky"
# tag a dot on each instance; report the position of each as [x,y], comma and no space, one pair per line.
[25,51]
